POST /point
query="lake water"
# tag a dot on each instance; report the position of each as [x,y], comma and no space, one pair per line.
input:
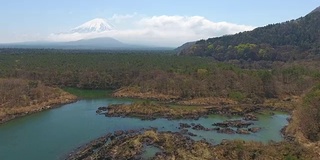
[54,133]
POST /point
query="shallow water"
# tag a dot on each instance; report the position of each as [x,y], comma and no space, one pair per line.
[150,151]
[54,133]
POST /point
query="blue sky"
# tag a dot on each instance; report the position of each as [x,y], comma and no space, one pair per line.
[22,20]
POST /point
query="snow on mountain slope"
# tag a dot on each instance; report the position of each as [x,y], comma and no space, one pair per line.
[93,26]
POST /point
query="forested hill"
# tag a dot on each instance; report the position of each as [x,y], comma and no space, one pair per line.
[316,10]
[295,39]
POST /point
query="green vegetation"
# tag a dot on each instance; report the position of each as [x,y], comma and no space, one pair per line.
[144,75]
[183,107]
[185,79]
[312,95]
[242,48]
[87,93]
[21,97]
[238,96]
[310,114]
[295,39]
[253,72]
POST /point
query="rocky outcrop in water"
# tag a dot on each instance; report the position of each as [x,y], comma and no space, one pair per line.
[250,117]
[132,146]
[254,129]
[242,131]
[226,131]
[200,127]
[151,111]
[184,125]
[233,123]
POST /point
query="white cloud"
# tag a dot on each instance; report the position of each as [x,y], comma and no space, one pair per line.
[120,18]
[160,30]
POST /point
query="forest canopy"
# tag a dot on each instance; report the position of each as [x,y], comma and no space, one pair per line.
[291,40]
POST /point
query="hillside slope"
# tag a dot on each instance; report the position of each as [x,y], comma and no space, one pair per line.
[295,39]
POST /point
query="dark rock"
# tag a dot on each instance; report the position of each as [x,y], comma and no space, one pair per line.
[147,141]
[250,117]
[224,142]
[184,125]
[131,131]
[154,128]
[254,129]
[226,131]
[184,131]
[287,99]
[147,118]
[200,127]
[216,128]
[161,155]
[289,119]
[103,108]
[242,131]
[289,138]
[234,123]
[191,134]
[195,118]
[221,124]
[98,111]
[118,133]
[98,143]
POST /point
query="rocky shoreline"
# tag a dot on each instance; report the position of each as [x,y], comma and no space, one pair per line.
[286,103]
[174,145]
[131,144]
[154,111]
[64,98]
[226,127]
[150,111]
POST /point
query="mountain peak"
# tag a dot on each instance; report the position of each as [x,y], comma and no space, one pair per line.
[96,25]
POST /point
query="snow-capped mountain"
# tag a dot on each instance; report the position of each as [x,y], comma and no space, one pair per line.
[93,26]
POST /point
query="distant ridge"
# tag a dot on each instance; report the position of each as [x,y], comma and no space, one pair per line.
[104,43]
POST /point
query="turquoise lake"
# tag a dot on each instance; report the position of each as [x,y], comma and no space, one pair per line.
[52,134]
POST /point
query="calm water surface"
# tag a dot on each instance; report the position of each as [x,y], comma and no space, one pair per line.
[54,133]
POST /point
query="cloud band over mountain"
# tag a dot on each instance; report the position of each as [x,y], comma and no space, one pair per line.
[158,30]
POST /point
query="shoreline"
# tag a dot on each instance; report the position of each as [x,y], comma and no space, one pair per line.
[57,102]
[151,110]
[286,104]
[133,145]
[67,98]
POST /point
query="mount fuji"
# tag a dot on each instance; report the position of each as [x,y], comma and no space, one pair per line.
[96,25]
[95,30]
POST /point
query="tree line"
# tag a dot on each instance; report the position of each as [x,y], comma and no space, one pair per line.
[184,77]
